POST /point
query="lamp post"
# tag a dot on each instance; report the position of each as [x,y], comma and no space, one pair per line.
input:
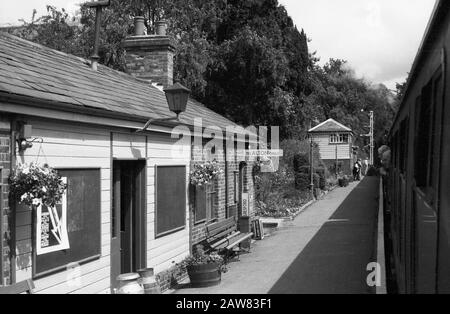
[371,136]
[311,160]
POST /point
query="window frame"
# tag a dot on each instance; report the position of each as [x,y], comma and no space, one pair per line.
[339,139]
[210,194]
[427,155]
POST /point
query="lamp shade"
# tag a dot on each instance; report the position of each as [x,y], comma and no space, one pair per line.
[177,97]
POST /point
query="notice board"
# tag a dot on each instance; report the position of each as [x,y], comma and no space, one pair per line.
[82,203]
[171,190]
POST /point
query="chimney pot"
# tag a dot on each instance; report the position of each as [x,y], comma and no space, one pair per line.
[139,26]
[161,28]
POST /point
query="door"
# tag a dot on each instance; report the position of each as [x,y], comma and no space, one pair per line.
[128,218]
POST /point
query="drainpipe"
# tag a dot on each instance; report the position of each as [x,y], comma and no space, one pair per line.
[227,214]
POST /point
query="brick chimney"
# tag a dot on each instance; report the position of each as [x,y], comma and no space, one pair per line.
[150,57]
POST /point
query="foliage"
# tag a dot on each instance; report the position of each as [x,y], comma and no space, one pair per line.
[205,173]
[344,181]
[243,59]
[200,257]
[283,204]
[36,185]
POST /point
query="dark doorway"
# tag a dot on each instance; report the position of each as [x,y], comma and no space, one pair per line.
[128,218]
[242,186]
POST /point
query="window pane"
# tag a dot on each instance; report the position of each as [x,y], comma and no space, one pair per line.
[423,114]
[200,204]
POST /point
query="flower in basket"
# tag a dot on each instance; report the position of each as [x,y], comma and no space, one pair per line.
[200,257]
[36,185]
[205,173]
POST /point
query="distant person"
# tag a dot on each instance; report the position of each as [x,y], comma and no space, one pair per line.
[357,171]
[366,166]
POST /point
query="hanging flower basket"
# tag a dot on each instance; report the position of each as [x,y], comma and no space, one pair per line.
[205,173]
[36,185]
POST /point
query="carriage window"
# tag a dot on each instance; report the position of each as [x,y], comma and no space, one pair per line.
[435,133]
[428,134]
[423,130]
[403,160]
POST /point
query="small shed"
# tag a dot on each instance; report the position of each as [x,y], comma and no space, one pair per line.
[335,142]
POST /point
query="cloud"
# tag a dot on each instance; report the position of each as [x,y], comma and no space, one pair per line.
[379,38]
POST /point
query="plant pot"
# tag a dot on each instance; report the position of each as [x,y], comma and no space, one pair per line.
[202,276]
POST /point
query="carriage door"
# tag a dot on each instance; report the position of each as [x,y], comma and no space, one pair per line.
[128,237]
[444,211]
[427,174]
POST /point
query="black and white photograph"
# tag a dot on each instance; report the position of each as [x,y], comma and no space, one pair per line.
[219,154]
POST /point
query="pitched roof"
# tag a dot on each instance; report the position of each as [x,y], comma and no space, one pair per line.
[330,125]
[32,70]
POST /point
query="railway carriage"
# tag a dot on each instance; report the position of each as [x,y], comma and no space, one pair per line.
[418,185]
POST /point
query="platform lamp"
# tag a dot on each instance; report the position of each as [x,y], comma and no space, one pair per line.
[177,97]
[98,5]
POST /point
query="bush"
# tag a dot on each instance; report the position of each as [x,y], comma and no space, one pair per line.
[300,161]
[344,182]
[302,181]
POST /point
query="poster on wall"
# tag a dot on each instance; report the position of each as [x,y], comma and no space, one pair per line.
[51,231]
[245,205]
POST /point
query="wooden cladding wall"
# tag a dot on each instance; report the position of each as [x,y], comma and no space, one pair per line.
[328,151]
[68,146]
[5,212]
[164,252]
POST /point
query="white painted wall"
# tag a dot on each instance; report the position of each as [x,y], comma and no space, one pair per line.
[328,151]
[80,146]
[166,251]
[68,146]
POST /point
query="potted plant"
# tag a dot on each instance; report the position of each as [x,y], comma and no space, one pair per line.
[34,185]
[204,269]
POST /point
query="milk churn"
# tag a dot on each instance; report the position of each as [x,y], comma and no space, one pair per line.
[129,284]
[149,282]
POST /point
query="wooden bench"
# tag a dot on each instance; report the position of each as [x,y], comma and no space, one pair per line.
[224,237]
[18,288]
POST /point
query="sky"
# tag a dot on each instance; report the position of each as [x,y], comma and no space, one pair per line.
[378,38]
